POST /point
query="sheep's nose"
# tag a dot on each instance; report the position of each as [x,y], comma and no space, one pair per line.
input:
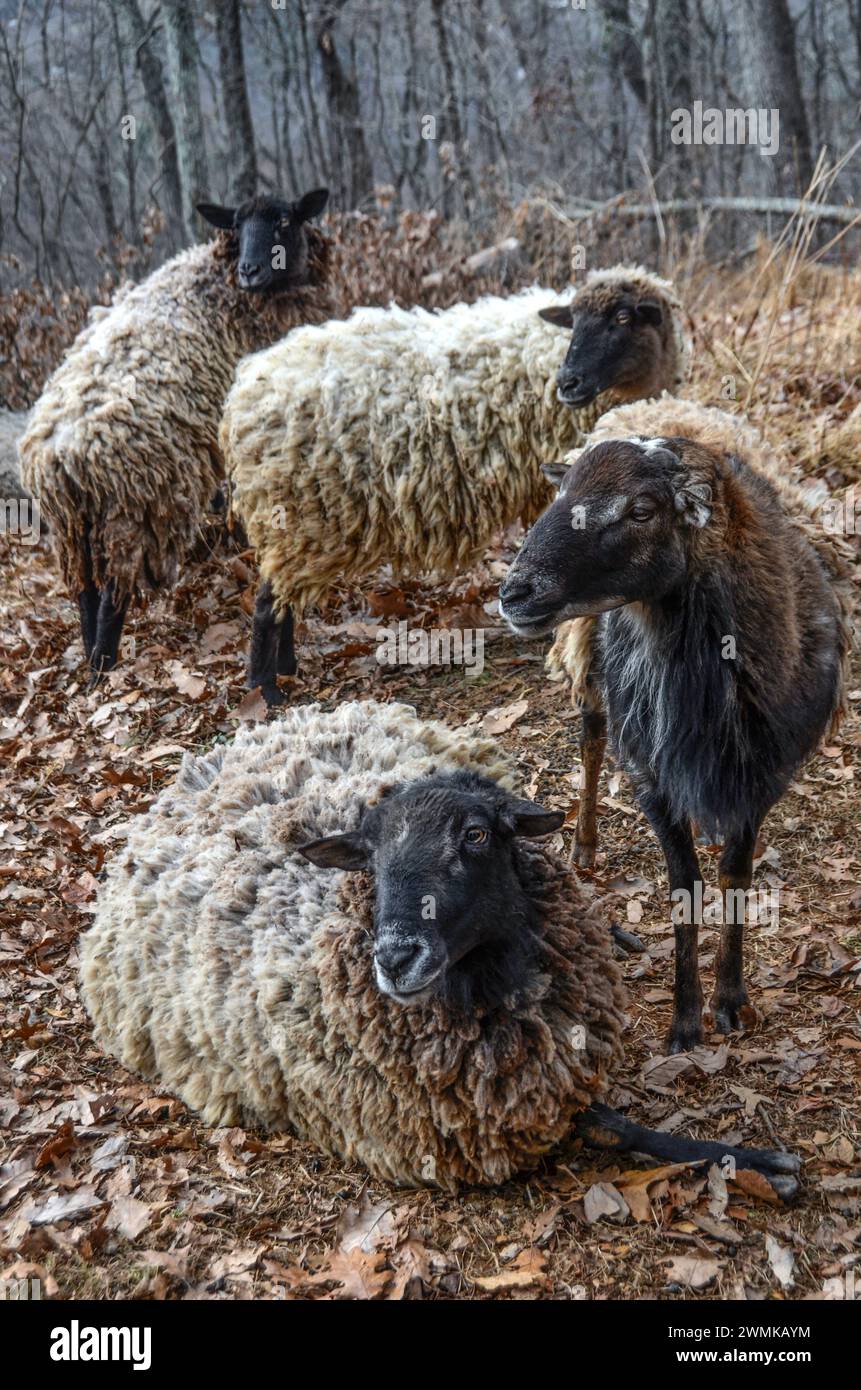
[515,590]
[250,270]
[575,390]
[395,958]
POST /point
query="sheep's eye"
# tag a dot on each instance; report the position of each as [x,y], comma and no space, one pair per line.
[476,835]
[642,511]
[624,316]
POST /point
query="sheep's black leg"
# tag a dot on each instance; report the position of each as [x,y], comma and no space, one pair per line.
[286,649]
[607,1129]
[684,873]
[88,600]
[263,657]
[109,630]
[593,740]
[88,607]
[735,873]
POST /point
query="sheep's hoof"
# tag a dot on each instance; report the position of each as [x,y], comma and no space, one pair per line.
[97,672]
[785,1187]
[776,1161]
[627,941]
[273,695]
[781,1169]
[684,1035]
[732,1016]
[583,855]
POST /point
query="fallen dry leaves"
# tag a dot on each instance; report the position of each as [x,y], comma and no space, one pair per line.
[109,1189]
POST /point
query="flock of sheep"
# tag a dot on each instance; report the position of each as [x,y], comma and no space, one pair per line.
[342,921]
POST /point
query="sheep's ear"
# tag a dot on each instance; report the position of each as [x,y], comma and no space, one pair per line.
[694,502]
[560,315]
[528,818]
[336,852]
[555,473]
[650,311]
[310,204]
[217,216]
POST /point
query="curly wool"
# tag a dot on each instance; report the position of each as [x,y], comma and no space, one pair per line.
[122,448]
[241,977]
[572,650]
[403,437]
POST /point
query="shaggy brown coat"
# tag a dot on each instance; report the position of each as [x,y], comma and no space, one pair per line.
[122,448]
[228,969]
[572,653]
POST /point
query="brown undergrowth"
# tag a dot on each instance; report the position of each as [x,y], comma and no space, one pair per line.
[109,1188]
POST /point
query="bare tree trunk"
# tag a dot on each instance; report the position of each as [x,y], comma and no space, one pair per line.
[673,31]
[130,164]
[149,67]
[182,57]
[768,45]
[623,47]
[450,172]
[342,92]
[237,111]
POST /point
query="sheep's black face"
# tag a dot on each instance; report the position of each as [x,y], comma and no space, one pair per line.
[617,346]
[451,916]
[617,533]
[272,251]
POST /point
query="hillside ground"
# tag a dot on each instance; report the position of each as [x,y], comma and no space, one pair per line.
[110,1188]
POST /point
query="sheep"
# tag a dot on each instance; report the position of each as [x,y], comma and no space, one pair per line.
[443,1017]
[411,438]
[122,447]
[571,655]
[720,651]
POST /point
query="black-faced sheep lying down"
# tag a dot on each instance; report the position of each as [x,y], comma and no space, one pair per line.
[413,438]
[122,447]
[445,1015]
[720,651]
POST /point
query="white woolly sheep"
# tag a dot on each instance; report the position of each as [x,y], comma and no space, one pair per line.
[122,448]
[445,1016]
[412,438]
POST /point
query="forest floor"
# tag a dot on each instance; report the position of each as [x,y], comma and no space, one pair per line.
[110,1188]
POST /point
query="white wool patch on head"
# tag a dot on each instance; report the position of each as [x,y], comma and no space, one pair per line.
[607,512]
[649,446]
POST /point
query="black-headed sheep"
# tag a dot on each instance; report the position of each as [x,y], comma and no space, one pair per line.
[412,438]
[719,654]
[122,448]
[446,1015]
